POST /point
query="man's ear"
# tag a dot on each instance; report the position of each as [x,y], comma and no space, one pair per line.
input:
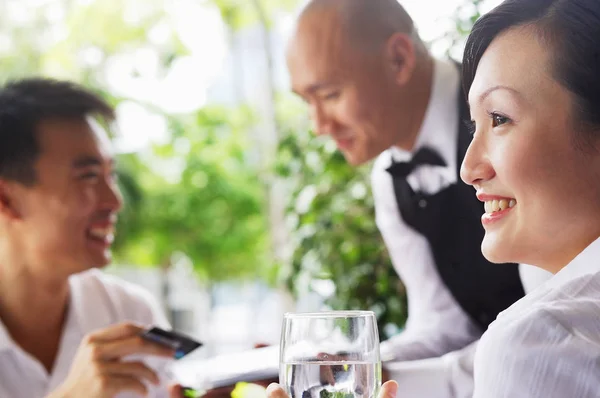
[401,56]
[8,202]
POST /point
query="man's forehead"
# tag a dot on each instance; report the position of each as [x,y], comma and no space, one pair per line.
[318,55]
[73,138]
[319,30]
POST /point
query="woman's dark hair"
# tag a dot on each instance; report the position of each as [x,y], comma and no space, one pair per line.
[27,102]
[571,28]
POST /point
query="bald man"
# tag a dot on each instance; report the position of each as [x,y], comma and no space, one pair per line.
[372,86]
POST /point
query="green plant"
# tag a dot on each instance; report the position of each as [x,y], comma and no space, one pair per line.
[334,233]
[201,196]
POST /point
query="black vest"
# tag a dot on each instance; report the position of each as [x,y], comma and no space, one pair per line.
[451,222]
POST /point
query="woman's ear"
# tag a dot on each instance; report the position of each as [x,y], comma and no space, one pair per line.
[401,57]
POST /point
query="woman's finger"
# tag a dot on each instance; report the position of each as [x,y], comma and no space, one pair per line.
[389,389]
[275,391]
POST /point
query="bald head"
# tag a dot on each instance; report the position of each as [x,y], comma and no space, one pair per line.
[361,67]
[368,23]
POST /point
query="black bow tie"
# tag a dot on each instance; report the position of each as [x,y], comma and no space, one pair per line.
[422,156]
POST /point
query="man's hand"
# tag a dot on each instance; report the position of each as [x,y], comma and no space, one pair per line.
[178,391]
[98,370]
[388,390]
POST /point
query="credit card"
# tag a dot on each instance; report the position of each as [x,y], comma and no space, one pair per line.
[182,344]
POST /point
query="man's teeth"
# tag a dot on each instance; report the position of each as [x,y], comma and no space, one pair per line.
[492,206]
[101,233]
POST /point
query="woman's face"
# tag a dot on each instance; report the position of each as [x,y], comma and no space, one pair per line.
[541,192]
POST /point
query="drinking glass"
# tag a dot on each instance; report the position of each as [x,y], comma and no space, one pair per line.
[330,355]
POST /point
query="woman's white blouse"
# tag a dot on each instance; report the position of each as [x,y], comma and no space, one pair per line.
[547,344]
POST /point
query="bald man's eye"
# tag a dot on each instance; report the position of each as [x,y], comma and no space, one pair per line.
[331,95]
[91,176]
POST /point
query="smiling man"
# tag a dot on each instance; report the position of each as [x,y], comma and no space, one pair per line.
[65,328]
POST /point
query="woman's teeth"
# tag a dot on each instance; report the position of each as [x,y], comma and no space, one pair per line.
[492,206]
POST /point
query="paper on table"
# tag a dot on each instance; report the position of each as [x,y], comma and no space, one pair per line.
[227,369]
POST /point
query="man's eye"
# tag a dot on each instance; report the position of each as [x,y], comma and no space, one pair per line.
[89,176]
[498,120]
[331,95]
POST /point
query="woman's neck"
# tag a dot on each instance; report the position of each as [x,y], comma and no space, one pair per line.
[569,252]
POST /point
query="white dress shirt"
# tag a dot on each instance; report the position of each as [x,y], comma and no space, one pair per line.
[547,344]
[436,323]
[96,301]
[451,375]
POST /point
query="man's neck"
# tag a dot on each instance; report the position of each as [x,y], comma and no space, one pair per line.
[422,89]
[31,304]
[33,309]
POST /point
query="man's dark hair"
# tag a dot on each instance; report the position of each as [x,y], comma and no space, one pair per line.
[27,102]
[571,29]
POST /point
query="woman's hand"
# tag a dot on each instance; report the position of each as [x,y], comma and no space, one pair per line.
[388,390]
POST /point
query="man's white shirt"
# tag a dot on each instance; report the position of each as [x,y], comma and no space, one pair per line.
[96,301]
[436,324]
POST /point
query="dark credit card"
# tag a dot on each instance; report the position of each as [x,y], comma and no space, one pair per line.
[182,345]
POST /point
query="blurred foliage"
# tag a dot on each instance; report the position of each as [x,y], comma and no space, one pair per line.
[243,13]
[334,233]
[464,17]
[201,198]
[199,192]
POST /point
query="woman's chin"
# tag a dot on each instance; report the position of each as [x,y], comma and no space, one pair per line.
[496,250]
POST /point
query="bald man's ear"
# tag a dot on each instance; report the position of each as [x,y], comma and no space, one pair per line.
[402,57]
[8,203]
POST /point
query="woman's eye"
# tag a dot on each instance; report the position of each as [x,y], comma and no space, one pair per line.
[498,120]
